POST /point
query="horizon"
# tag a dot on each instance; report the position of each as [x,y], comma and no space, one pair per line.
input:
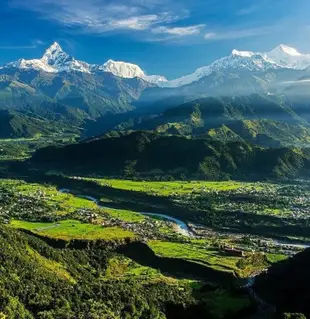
[168,38]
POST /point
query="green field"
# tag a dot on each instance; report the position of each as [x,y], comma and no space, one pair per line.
[170,188]
[201,251]
[73,229]
[191,251]
[65,203]
[125,215]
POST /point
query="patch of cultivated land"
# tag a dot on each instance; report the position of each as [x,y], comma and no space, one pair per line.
[73,229]
[201,253]
[171,188]
[204,252]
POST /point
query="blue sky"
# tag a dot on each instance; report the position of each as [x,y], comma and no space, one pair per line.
[168,37]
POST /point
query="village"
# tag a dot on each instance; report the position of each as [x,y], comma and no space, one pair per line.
[231,207]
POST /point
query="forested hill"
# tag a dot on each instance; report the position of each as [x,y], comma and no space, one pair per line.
[20,125]
[38,281]
[258,119]
[286,284]
[152,155]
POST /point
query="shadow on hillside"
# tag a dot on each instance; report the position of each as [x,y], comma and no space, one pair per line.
[178,268]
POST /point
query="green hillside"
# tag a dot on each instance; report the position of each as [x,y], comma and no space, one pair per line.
[261,120]
[151,154]
[93,94]
[18,125]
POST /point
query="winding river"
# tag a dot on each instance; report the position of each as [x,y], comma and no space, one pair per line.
[181,227]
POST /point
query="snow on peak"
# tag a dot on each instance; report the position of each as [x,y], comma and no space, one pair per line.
[288,57]
[238,60]
[282,48]
[282,56]
[54,49]
[129,71]
[56,60]
[55,55]
[246,54]
[122,69]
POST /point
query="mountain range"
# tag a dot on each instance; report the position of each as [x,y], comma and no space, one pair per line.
[91,99]
[56,60]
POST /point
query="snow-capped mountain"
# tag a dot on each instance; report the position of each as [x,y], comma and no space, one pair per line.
[128,70]
[240,60]
[280,57]
[288,57]
[56,60]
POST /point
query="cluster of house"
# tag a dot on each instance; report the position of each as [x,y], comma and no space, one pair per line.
[232,251]
[19,205]
[146,229]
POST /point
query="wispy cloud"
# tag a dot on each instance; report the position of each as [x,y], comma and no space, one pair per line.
[32,45]
[237,34]
[100,16]
[179,31]
[142,22]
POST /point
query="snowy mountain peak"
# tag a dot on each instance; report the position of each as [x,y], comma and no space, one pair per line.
[282,56]
[122,69]
[246,54]
[55,55]
[129,71]
[282,48]
[54,47]
[238,60]
[288,57]
[56,60]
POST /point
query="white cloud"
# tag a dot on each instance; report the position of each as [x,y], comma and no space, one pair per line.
[136,23]
[237,34]
[100,16]
[179,31]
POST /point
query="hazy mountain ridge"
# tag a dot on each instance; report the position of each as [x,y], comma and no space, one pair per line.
[264,120]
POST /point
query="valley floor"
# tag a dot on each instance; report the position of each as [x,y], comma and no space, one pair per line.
[192,232]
